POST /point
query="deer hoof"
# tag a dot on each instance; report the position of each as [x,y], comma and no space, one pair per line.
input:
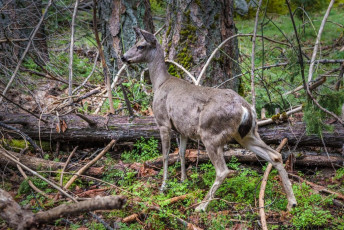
[291,206]
[201,208]
[163,187]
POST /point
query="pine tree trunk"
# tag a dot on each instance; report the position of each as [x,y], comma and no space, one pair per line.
[194,30]
[117,20]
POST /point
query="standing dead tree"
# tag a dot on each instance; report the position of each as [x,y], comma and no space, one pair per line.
[71,52]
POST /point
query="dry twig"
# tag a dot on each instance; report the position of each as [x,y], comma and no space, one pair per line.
[263,186]
[253,93]
[317,41]
[89,164]
[66,164]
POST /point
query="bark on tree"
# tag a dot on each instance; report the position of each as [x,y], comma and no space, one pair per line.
[117,20]
[194,30]
[104,129]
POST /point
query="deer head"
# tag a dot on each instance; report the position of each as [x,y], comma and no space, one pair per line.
[144,50]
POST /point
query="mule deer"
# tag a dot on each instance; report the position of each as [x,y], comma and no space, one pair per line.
[211,115]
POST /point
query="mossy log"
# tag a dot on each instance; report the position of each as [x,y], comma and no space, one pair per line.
[102,129]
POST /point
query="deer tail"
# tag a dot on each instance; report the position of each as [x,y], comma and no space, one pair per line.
[246,122]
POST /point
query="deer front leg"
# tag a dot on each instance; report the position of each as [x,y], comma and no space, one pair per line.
[165,141]
[182,148]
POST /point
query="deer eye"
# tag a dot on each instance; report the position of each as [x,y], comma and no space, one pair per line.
[140,47]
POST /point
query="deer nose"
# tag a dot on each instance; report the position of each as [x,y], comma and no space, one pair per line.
[123,59]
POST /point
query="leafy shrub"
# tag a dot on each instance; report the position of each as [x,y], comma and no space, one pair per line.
[143,151]
[309,212]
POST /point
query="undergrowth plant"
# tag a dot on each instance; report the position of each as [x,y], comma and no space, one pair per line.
[310,210]
[144,149]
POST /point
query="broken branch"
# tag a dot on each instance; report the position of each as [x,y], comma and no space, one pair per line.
[89,164]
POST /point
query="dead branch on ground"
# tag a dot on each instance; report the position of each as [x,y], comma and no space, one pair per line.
[317,187]
[89,164]
[19,218]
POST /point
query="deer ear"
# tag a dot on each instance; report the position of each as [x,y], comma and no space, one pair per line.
[138,32]
[150,38]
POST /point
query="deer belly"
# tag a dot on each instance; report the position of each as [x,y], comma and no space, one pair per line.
[185,121]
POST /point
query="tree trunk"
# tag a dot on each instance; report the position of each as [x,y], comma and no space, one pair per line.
[104,129]
[194,30]
[117,20]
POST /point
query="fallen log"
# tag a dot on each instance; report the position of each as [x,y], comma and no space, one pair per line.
[41,164]
[104,129]
[245,156]
[18,218]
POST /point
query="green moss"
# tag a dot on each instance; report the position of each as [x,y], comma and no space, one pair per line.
[216,17]
[21,144]
[220,60]
[213,26]
[168,29]
[284,116]
[173,71]
[187,39]
[276,117]
[187,13]
[198,2]
[241,89]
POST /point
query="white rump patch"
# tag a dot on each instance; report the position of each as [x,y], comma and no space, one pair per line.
[244,114]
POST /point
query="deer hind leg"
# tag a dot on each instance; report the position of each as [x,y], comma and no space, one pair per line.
[182,148]
[165,141]
[222,171]
[256,145]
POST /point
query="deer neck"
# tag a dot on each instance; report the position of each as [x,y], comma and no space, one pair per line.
[157,69]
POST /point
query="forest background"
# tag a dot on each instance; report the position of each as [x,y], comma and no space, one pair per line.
[59,58]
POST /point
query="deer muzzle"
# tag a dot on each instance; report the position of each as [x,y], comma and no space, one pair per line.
[124,59]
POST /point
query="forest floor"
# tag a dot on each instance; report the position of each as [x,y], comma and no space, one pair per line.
[122,170]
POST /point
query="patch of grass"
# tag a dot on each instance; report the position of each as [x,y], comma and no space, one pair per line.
[144,150]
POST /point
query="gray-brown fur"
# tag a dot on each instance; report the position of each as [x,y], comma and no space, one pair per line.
[211,115]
